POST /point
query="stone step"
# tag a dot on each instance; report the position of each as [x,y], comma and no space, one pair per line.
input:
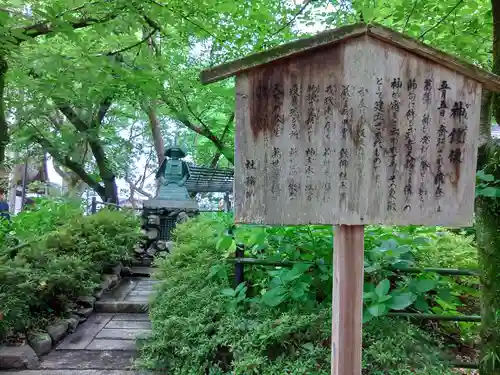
[121,306]
[89,360]
[144,262]
[141,271]
[131,295]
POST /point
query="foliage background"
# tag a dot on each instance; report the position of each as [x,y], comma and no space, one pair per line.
[51,255]
[280,321]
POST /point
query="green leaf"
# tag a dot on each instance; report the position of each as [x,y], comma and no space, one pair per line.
[228,292]
[378,310]
[485,177]
[241,287]
[445,295]
[401,301]
[371,269]
[298,290]
[383,288]
[275,296]
[490,191]
[421,304]
[297,270]
[224,243]
[425,285]
[258,238]
[384,298]
[308,346]
[232,248]
[367,316]
[369,296]
[368,287]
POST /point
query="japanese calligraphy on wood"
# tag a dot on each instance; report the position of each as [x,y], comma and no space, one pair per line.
[357,133]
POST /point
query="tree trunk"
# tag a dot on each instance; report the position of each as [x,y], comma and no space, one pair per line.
[488,243]
[154,124]
[16,175]
[106,173]
[4,130]
[488,223]
[488,239]
[74,186]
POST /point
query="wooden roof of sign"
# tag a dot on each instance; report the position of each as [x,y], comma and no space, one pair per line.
[342,34]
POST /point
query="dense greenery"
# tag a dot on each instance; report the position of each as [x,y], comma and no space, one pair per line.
[52,254]
[280,320]
[99,85]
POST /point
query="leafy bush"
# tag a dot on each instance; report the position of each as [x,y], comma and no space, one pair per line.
[201,326]
[60,255]
[387,249]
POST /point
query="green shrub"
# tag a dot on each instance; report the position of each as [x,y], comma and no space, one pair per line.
[102,239]
[201,326]
[45,216]
[62,257]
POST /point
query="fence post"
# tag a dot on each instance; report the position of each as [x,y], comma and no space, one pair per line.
[93,206]
[239,274]
[239,270]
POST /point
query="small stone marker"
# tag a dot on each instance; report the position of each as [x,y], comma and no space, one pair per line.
[358,125]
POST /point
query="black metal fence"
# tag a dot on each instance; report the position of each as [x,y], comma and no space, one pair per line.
[239,276]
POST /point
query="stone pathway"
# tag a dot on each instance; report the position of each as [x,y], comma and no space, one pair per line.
[106,343]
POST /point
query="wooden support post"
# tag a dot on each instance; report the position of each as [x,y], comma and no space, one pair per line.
[347,303]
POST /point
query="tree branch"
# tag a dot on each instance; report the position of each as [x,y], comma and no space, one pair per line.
[226,128]
[12,11]
[410,14]
[46,27]
[202,130]
[218,154]
[68,162]
[72,117]
[191,111]
[442,19]
[301,10]
[138,189]
[55,121]
[101,112]
[64,175]
[145,39]
[155,127]
[184,17]
[134,185]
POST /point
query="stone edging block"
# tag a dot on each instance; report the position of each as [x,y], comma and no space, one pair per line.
[27,356]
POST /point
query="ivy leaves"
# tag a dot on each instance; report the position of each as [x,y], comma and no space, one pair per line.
[486,185]
[305,274]
[380,299]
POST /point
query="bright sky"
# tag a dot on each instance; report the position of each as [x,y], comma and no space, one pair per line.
[122,185]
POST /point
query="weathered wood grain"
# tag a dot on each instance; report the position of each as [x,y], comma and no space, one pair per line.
[341,35]
[312,147]
[347,303]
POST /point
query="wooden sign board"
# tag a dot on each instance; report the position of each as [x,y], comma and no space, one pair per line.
[359,125]
[358,133]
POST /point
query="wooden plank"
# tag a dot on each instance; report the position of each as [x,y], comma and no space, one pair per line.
[347,304]
[342,35]
[356,134]
[490,81]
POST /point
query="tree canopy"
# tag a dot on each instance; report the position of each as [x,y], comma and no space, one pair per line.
[100,85]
